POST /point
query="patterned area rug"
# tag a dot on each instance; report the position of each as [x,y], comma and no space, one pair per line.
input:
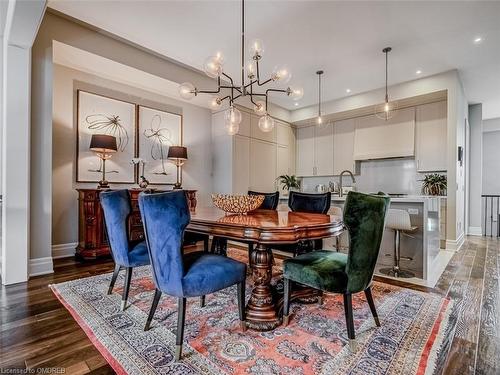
[315,342]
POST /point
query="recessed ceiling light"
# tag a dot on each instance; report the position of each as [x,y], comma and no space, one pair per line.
[348,91]
[418,72]
[296,104]
[478,40]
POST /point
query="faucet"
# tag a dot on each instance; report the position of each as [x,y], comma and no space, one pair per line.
[340,180]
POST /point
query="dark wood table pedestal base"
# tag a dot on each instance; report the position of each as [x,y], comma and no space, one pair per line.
[265,308]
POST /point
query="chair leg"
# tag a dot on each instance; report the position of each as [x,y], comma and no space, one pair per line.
[369,298]
[202,301]
[128,277]
[241,304]
[152,311]
[181,318]
[337,243]
[348,316]
[286,299]
[113,278]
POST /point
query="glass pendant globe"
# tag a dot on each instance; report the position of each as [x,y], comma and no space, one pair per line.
[256,48]
[212,67]
[215,102]
[282,74]
[386,110]
[296,93]
[232,115]
[232,129]
[259,107]
[266,123]
[251,69]
[187,90]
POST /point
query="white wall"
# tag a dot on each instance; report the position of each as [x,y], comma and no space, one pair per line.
[476,168]
[491,157]
[196,134]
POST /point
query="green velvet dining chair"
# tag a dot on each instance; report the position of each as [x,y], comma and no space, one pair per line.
[346,274]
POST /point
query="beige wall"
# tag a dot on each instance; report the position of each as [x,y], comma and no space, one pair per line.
[54,27]
[196,134]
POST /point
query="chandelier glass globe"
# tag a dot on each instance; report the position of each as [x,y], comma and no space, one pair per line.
[215,102]
[213,67]
[282,74]
[187,90]
[256,48]
[266,123]
[259,107]
[251,69]
[232,120]
[296,93]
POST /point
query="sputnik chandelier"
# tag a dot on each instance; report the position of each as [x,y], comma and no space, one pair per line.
[214,68]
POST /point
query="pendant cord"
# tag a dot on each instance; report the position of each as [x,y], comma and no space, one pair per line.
[243,44]
[386,70]
[319,95]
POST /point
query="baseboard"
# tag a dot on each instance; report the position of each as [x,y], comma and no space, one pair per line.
[455,245]
[475,231]
[40,266]
[64,250]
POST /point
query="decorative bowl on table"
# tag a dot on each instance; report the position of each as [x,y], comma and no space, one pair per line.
[237,204]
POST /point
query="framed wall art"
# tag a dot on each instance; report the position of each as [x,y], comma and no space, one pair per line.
[158,130]
[97,114]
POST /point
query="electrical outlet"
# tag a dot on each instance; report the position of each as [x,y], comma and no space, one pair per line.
[413,211]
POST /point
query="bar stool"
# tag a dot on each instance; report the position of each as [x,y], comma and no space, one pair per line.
[399,221]
[342,240]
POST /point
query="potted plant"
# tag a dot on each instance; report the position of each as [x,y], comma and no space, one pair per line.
[289,182]
[434,184]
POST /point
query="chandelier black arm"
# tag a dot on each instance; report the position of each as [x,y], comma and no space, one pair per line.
[273,90]
[258,75]
[210,91]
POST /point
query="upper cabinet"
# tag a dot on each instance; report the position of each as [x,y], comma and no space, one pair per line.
[323,150]
[343,146]
[305,151]
[379,139]
[431,134]
[263,166]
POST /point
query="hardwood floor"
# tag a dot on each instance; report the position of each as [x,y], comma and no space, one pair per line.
[38,332]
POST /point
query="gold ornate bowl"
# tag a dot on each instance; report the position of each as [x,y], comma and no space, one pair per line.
[237,204]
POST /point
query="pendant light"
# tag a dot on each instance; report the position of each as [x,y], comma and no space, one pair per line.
[319,119]
[388,109]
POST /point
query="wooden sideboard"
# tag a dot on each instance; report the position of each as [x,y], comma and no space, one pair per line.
[92,237]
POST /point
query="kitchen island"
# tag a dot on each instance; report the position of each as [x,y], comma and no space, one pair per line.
[422,246]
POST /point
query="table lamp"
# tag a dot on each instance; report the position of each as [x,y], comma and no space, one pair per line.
[104,146]
[178,155]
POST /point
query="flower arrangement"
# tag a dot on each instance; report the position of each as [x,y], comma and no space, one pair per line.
[289,182]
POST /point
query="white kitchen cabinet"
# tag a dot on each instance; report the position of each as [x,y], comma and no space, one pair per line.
[263,166]
[256,133]
[245,124]
[283,163]
[241,164]
[323,150]
[431,135]
[305,151]
[343,146]
[379,139]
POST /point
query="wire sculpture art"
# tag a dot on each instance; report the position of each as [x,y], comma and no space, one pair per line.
[160,139]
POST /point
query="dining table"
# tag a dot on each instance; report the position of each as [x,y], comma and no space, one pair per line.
[264,228]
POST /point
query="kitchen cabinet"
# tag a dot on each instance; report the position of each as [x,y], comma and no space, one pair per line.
[343,146]
[241,164]
[431,135]
[380,139]
[323,150]
[305,151]
[262,165]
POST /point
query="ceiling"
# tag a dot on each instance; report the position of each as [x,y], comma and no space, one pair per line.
[344,39]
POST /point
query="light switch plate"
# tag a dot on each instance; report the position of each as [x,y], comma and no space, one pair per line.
[413,211]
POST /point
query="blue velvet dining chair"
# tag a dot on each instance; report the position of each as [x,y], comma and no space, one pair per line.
[346,274]
[126,254]
[165,217]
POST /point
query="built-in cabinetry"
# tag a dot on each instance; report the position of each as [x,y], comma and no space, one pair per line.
[418,132]
[431,130]
[251,159]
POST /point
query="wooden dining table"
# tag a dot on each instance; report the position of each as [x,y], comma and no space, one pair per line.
[264,228]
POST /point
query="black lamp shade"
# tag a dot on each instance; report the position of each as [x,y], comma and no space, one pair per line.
[177,152]
[103,143]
